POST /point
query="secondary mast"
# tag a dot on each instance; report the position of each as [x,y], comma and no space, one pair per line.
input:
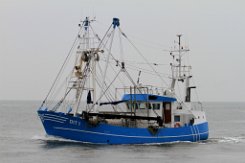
[180,72]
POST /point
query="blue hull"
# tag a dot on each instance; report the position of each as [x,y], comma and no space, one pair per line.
[75,128]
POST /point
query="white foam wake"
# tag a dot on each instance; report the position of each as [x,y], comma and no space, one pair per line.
[48,138]
[238,139]
[227,139]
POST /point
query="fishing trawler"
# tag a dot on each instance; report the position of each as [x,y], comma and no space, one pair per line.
[101,102]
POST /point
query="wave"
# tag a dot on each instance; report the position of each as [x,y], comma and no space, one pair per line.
[227,139]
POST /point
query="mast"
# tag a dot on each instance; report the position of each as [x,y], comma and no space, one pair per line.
[85,65]
[180,72]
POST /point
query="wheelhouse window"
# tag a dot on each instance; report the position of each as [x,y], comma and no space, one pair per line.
[177,118]
[136,105]
[142,105]
[156,106]
[132,105]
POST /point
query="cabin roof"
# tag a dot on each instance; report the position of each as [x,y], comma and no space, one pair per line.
[147,98]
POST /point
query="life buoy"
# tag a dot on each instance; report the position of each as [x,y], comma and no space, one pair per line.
[177,125]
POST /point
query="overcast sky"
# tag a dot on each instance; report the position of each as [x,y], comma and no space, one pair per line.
[36,35]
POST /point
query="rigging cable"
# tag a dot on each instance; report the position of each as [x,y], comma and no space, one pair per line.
[101,84]
[61,69]
[55,94]
[109,95]
[146,70]
[107,62]
[105,90]
[140,69]
[142,56]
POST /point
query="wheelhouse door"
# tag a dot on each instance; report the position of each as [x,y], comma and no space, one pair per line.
[167,112]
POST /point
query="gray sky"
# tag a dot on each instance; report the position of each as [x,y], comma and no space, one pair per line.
[36,35]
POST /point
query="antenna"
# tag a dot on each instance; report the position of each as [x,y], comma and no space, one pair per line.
[179,36]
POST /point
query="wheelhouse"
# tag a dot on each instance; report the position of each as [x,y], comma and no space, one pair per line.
[150,105]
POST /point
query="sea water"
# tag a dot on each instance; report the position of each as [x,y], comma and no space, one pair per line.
[23,139]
